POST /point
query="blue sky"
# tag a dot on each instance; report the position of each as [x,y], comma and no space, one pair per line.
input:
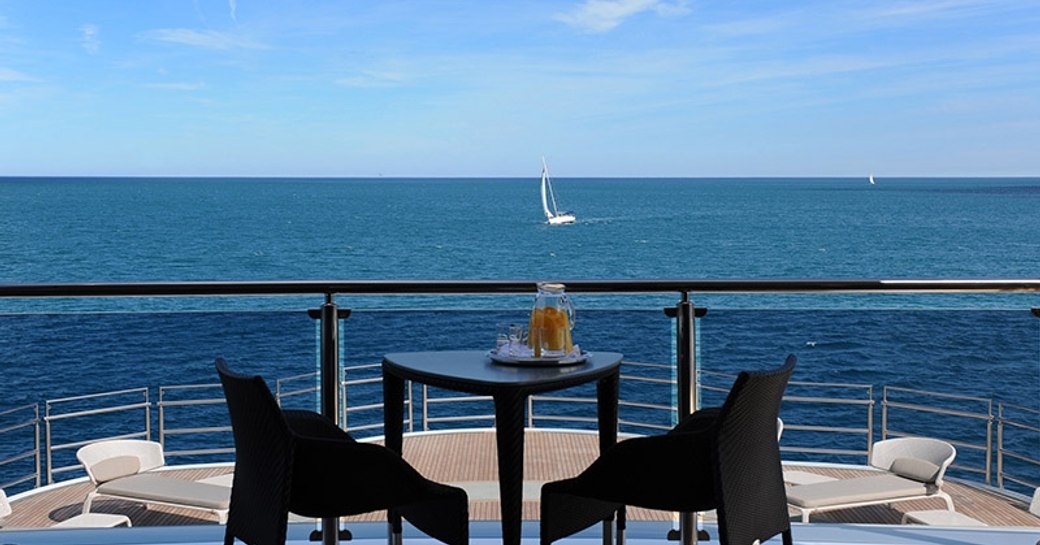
[600,87]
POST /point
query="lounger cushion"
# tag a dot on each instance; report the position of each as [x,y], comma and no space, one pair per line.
[150,487]
[915,468]
[115,467]
[861,489]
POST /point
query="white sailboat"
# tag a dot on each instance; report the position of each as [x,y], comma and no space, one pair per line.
[553,216]
[871,179]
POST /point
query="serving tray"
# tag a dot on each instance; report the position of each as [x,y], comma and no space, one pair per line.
[531,361]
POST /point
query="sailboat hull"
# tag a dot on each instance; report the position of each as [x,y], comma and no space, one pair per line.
[561,218]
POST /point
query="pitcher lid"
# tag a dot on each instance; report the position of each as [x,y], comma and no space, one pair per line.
[551,286]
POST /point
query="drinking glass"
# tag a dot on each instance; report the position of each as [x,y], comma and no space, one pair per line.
[502,339]
[517,338]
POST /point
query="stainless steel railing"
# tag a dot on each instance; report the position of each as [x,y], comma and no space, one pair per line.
[891,403]
[1026,420]
[684,312]
[63,410]
[859,398]
[17,421]
[185,398]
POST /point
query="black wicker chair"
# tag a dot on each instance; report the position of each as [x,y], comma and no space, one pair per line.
[726,459]
[302,462]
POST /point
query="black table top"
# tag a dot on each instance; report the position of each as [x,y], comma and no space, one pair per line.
[473,371]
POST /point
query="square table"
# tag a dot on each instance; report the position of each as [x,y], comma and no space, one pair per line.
[473,371]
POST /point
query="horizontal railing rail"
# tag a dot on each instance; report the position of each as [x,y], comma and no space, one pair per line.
[404,287]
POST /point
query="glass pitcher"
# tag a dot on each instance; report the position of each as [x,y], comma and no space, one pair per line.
[552,318]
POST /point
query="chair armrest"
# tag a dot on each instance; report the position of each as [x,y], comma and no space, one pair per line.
[635,471]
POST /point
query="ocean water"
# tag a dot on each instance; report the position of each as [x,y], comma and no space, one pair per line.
[68,230]
[109,230]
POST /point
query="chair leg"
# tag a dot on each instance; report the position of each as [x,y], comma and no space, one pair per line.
[621,525]
[393,537]
[88,502]
[608,531]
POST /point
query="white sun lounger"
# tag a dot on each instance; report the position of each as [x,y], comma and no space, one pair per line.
[938,517]
[912,468]
[89,520]
[124,469]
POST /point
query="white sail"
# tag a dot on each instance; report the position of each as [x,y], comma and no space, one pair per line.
[871,179]
[552,214]
[545,186]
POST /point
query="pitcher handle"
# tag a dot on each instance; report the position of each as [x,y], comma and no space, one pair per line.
[570,311]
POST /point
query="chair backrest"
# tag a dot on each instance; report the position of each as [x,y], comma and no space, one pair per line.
[1034,506]
[750,483]
[108,460]
[263,460]
[919,458]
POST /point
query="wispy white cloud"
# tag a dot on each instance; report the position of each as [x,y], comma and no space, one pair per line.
[178,86]
[233,6]
[7,74]
[929,8]
[373,79]
[206,39]
[605,15]
[91,38]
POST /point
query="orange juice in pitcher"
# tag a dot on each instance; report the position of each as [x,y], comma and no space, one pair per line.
[552,318]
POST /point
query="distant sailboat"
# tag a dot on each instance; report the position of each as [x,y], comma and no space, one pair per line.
[552,215]
[871,179]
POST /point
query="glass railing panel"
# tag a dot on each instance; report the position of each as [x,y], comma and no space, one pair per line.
[98,376]
[939,373]
[643,336]
[953,374]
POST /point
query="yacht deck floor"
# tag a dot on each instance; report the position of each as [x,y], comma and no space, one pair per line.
[467,458]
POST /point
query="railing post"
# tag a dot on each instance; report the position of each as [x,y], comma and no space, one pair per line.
[870,423]
[162,419]
[1000,445]
[884,413]
[989,445]
[425,407]
[686,357]
[147,415]
[410,401]
[329,389]
[48,442]
[36,431]
[686,346]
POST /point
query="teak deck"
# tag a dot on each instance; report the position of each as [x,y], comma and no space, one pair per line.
[468,459]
